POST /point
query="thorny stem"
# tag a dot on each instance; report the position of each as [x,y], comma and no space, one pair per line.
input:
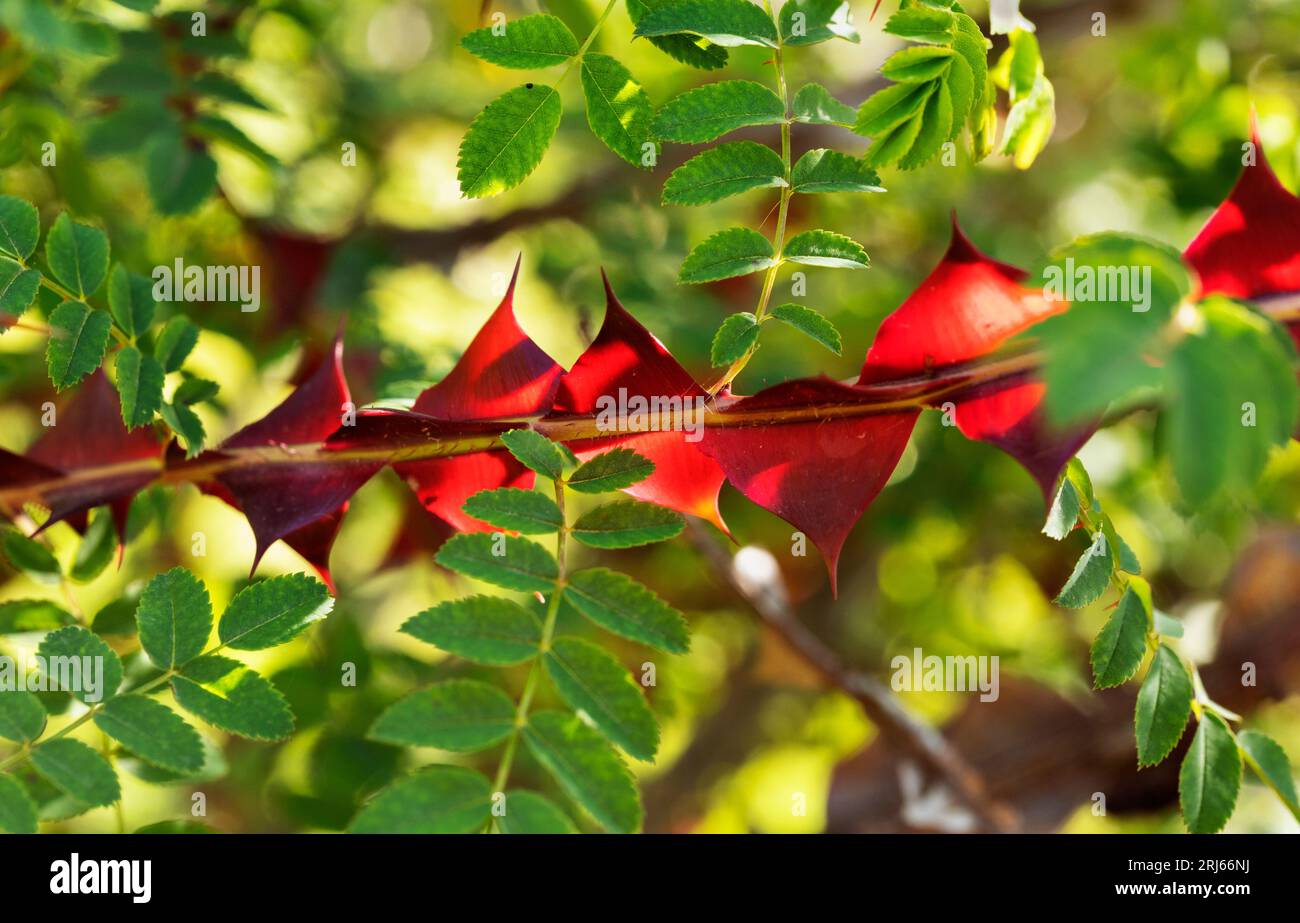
[535,671]
[778,240]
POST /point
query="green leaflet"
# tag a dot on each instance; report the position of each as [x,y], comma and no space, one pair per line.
[891,107]
[1270,763]
[22,717]
[130,299]
[586,768]
[618,109]
[1120,646]
[535,452]
[18,287]
[823,170]
[230,696]
[32,558]
[525,43]
[808,22]
[186,424]
[20,227]
[152,731]
[506,141]
[626,524]
[139,385]
[1030,124]
[936,127]
[528,812]
[594,683]
[1163,704]
[220,87]
[810,323]
[484,629]
[20,615]
[1090,577]
[734,338]
[825,248]
[518,510]
[619,604]
[688,49]
[174,618]
[728,253]
[609,471]
[1063,515]
[892,144]
[78,341]
[922,24]
[710,111]
[272,612]
[512,563]
[175,342]
[723,22]
[461,715]
[1210,776]
[918,64]
[181,176]
[814,105]
[442,799]
[80,663]
[726,170]
[97,547]
[77,254]
[17,812]
[1233,384]
[77,771]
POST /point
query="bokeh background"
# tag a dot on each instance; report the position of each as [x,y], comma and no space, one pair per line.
[1150,121]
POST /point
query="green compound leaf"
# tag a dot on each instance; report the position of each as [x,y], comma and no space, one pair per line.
[619,604]
[77,254]
[78,341]
[710,111]
[729,253]
[22,717]
[175,342]
[273,612]
[97,547]
[512,563]
[594,683]
[618,109]
[627,524]
[515,509]
[526,43]
[507,140]
[153,732]
[79,662]
[535,452]
[1270,763]
[918,64]
[825,248]
[1210,776]
[32,558]
[1234,384]
[443,799]
[18,287]
[585,766]
[528,812]
[723,22]
[690,50]
[810,323]
[228,695]
[22,615]
[809,22]
[1091,575]
[139,385]
[131,301]
[1120,646]
[20,227]
[17,811]
[77,771]
[181,173]
[174,618]
[461,715]
[823,170]
[484,629]
[726,170]
[1163,704]
[610,471]
[814,105]
[734,338]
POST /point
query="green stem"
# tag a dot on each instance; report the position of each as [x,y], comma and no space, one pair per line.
[535,671]
[783,208]
[591,37]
